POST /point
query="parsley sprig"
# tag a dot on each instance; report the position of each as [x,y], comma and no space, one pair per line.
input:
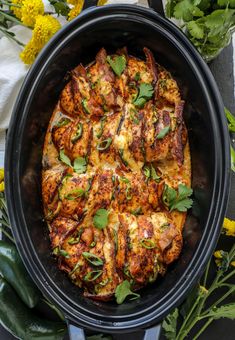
[123,290]
[100,218]
[177,200]
[118,64]
[79,164]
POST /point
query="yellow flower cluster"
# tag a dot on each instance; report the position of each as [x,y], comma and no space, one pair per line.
[229,227]
[2,185]
[102,2]
[45,27]
[76,10]
[28,11]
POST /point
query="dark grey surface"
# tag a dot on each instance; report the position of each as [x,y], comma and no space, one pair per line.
[222,68]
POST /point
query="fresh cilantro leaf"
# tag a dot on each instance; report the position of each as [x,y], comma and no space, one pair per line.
[178,201]
[118,64]
[80,165]
[145,93]
[170,5]
[154,174]
[170,325]
[123,290]
[163,132]
[187,10]
[196,30]
[61,7]
[231,120]
[100,218]
[65,159]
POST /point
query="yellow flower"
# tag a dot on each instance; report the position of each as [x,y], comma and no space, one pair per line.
[29,53]
[102,2]
[72,2]
[218,254]
[45,27]
[16,10]
[232,263]
[2,185]
[76,10]
[30,10]
[1,174]
[229,227]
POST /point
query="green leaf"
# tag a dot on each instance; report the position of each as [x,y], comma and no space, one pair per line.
[231,120]
[80,165]
[232,158]
[163,132]
[196,30]
[170,325]
[123,290]
[224,3]
[118,64]
[145,93]
[170,6]
[226,311]
[74,194]
[187,10]
[65,159]
[93,275]
[100,218]
[93,259]
[61,7]
[177,201]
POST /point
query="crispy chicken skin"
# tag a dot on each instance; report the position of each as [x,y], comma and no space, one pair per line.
[99,150]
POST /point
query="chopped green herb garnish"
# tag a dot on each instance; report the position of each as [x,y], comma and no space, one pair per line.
[137,76]
[76,193]
[65,159]
[78,133]
[100,218]
[104,144]
[145,93]
[133,116]
[163,132]
[121,152]
[75,240]
[93,275]
[63,122]
[80,165]
[123,290]
[118,64]
[85,106]
[124,179]
[93,244]
[93,259]
[60,252]
[147,243]
[76,267]
[177,200]
[137,211]
[150,172]
[101,129]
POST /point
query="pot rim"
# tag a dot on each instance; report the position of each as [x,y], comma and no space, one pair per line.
[153,314]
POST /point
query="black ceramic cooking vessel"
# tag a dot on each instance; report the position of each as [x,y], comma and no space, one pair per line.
[113,27]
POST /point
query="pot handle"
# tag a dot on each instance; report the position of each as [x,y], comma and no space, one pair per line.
[153,333]
[75,333]
[157,6]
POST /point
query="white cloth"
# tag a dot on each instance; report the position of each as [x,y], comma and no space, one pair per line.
[13,70]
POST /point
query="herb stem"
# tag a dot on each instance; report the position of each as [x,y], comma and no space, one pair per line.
[7,234]
[182,331]
[227,277]
[3,222]
[209,321]
[8,35]
[206,274]
[205,313]
[9,4]
[11,18]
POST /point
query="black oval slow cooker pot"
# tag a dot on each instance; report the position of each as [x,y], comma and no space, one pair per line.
[112,27]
